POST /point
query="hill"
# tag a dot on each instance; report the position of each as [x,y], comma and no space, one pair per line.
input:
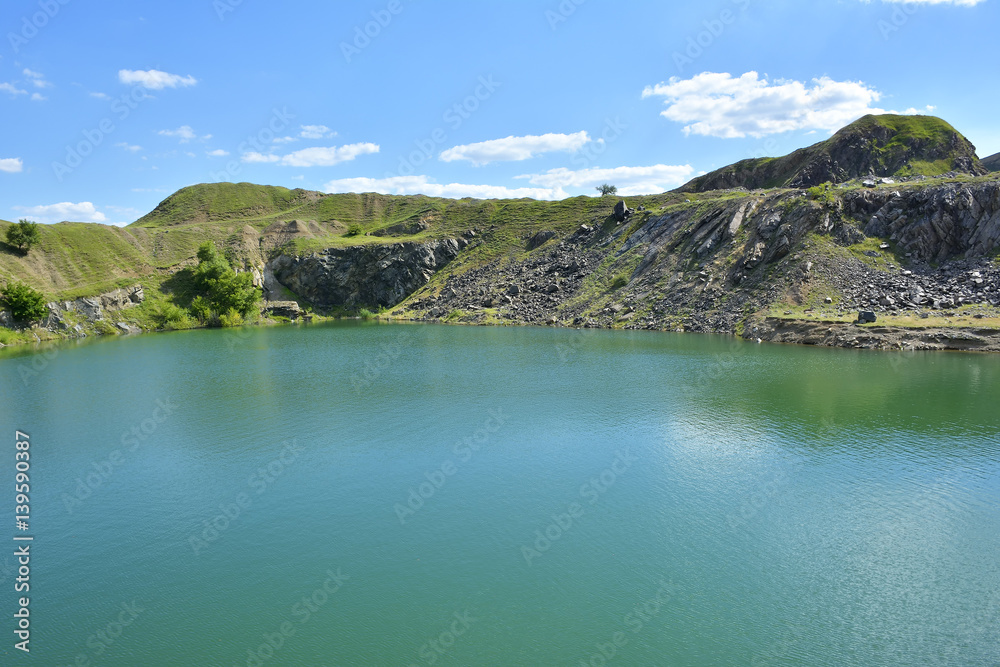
[884,146]
[992,162]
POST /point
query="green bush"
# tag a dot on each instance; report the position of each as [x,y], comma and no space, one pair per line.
[231,318]
[353,230]
[822,193]
[221,288]
[201,308]
[26,304]
[619,281]
[366,314]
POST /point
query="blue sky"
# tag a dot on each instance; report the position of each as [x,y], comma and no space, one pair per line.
[110,107]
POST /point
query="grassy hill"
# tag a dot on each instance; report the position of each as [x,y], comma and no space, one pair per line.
[992,162]
[886,145]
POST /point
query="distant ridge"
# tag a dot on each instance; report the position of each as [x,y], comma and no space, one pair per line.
[886,145]
[992,162]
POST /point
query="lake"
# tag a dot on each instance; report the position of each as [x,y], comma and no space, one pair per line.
[372,494]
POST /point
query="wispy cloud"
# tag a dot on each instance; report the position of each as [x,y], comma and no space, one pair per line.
[100,96]
[37,78]
[629,180]
[184,133]
[64,211]
[128,147]
[12,89]
[958,3]
[314,157]
[11,165]
[422,185]
[512,149]
[154,79]
[316,132]
[218,152]
[721,105]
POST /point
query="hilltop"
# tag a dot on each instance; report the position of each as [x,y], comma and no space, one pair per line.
[992,162]
[879,146]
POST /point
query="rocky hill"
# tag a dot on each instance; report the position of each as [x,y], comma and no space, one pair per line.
[992,162]
[879,146]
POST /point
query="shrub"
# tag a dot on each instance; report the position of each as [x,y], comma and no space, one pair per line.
[23,235]
[26,304]
[353,230]
[619,281]
[231,318]
[201,308]
[366,314]
[221,288]
[822,193]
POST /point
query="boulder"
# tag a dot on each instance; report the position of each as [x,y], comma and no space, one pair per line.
[540,238]
[289,309]
[866,316]
[622,211]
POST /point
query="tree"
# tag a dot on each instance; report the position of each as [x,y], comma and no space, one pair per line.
[26,304]
[23,235]
[606,189]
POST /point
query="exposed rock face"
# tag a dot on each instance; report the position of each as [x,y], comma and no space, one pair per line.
[289,309]
[92,308]
[934,224]
[366,275]
[540,238]
[403,229]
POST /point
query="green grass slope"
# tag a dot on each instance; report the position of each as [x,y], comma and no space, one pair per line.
[992,162]
[885,145]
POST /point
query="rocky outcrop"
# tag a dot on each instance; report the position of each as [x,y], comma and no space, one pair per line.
[886,145]
[367,275]
[93,308]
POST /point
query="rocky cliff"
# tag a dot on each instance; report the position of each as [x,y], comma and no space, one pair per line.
[364,275]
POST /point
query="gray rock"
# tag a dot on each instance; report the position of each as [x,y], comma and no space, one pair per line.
[540,238]
[621,211]
[866,316]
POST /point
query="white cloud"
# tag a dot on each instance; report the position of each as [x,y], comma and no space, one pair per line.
[629,180]
[315,157]
[255,157]
[284,140]
[11,165]
[101,96]
[38,97]
[82,212]
[185,133]
[12,89]
[719,105]
[513,148]
[37,78]
[421,185]
[218,152]
[316,132]
[154,79]
[126,146]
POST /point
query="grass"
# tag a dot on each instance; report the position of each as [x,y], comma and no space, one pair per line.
[963,317]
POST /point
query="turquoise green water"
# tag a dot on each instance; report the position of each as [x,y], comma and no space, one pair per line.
[412,495]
